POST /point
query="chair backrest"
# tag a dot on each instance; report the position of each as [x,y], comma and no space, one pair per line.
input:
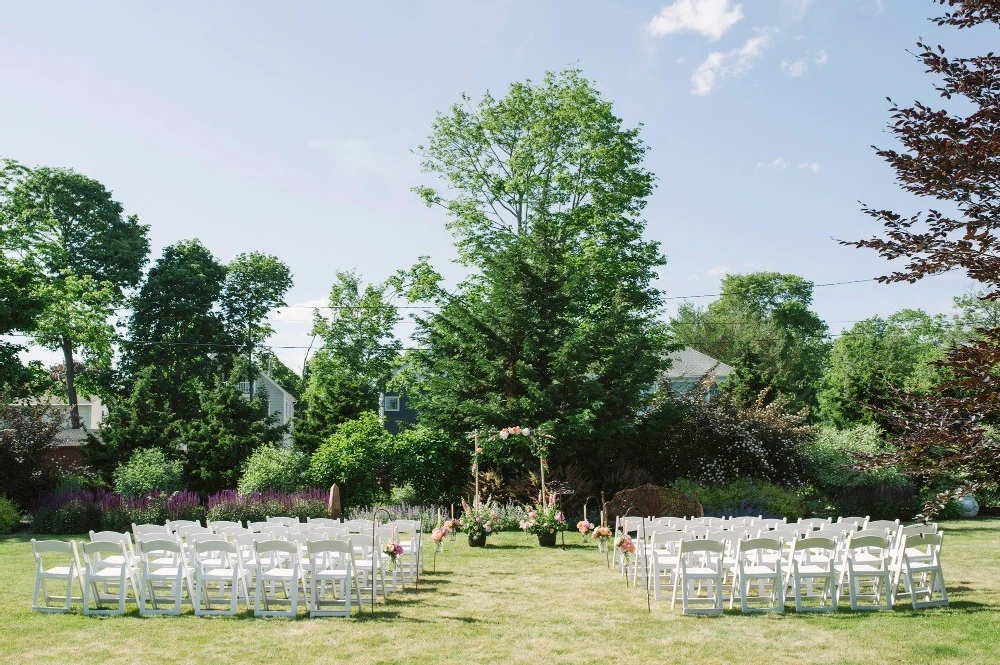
[878,546]
[859,522]
[264,547]
[104,547]
[927,544]
[698,530]
[667,539]
[144,529]
[892,525]
[159,545]
[839,531]
[409,527]
[787,532]
[214,547]
[188,529]
[174,525]
[217,526]
[198,538]
[631,524]
[320,548]
[112,537]
[881,533]
[814,522]
[753,550]
[232,531]
[284,521]
[257,526]
[61,548]
[323,521]
[692,546]
[815,546]
[769,523]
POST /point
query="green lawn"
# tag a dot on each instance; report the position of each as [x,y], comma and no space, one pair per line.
[513,602]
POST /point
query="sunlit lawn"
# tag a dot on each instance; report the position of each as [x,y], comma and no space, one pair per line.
[514,602]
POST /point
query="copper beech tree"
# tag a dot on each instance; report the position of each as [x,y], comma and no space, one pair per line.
[947,440]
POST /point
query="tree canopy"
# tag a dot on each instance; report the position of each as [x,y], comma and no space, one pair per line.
[557,322]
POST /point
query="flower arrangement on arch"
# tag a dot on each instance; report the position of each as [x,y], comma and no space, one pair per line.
[479,520]
[544,516]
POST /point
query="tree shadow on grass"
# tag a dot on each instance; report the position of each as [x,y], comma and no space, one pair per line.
[510,547]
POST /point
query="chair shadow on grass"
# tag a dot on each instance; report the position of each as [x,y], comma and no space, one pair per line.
[509,547]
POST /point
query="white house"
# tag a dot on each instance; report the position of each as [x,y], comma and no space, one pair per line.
[280,402]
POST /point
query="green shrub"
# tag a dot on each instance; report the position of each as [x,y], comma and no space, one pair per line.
[10,516]
[745,497]
[426,459]
[233,506]
[357,457]
[69,512]
[147,470]
[274,468]
[835,487]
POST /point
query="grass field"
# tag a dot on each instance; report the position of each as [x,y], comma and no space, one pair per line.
[514,602]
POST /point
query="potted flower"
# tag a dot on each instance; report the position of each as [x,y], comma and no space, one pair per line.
[479,520]
[544,520]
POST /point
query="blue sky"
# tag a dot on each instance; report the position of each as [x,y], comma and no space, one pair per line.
[287,128]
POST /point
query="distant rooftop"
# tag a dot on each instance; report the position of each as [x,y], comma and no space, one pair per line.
[689,363]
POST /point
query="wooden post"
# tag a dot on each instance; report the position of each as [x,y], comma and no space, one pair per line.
[475,463]
[333,507]
[541,464]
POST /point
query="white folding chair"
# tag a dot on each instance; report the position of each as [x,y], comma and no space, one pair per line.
[163,568]
[66,570]
[759,560]
[116,537]
[116,578]
[368,562]
[919,567]
[662,553]
[323,521]
[891,525]
[278,567]
[868,572]
[813,560]
[333,581]
[412,556]
[769,523]
[699,562]
[140,531]
[218,566]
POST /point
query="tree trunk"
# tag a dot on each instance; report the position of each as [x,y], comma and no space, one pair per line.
[74,409]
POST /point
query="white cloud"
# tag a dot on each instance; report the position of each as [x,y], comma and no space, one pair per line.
[351,152]
[779,164]
[809,166]
[795,68]
[821,57]
[718,271]
[709,18]
[719,66]
[796,9]
[693,277]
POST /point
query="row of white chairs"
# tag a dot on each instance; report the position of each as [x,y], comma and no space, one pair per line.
[866,564]
[325,567]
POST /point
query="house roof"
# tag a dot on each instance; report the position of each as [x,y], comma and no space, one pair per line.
[271,382]
[690,363]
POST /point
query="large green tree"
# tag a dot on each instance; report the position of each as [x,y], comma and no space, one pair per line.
[763,326]
[256,283]
[354,361]
[557,322]
[176,327]
[19,309]
[84,252]
[876,356]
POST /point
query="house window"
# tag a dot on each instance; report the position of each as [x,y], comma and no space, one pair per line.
[392,402]
[245,387]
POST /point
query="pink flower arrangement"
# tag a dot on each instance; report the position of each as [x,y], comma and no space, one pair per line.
[439,533]
[601,533]
[584,527]
[626,545]
[393,550]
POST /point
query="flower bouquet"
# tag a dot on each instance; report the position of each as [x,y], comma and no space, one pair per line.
[438,534]
[627,547]
[544,520]
[393,550]
[584,527]
[452,527]
[479,520]
[602,535]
